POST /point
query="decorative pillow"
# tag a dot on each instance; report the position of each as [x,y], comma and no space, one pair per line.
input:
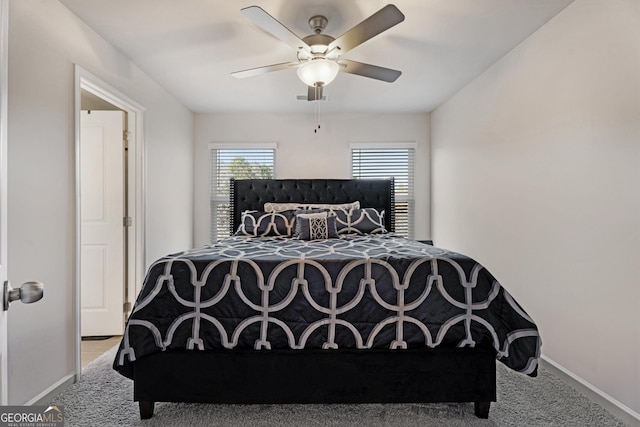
[360,221]
[261,224]
[279,207]
[316,226]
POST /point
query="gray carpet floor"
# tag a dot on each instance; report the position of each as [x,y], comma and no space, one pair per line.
[104,398]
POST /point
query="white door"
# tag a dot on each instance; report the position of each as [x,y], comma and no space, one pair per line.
[102,230]
[4,11]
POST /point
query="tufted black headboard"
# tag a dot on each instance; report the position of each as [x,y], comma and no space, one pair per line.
[252,194]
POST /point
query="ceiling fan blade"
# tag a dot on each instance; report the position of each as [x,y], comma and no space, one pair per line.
[263,70]
[273,26]
[380,21]
[314,93]
[368,70]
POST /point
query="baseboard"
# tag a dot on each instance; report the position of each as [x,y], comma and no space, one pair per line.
[50,393]
[620,410]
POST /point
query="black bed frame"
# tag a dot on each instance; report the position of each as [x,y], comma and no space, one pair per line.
[316,376]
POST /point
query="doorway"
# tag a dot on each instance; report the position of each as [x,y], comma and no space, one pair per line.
[109,208]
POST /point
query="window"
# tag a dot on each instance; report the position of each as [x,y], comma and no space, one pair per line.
[384,162]
[227,163]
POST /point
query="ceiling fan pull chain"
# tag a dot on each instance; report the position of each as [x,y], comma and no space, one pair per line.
[317,108]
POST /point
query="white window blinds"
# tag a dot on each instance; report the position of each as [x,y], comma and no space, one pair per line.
[234,163]
[385,163]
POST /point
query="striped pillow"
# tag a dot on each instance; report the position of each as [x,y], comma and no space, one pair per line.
[316,226]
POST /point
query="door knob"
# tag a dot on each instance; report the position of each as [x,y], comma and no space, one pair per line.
[27,293]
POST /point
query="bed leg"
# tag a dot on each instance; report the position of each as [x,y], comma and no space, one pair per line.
[146,409]
[482,409]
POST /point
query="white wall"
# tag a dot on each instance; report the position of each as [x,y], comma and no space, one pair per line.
[302,153]
[45,41]
[536,173]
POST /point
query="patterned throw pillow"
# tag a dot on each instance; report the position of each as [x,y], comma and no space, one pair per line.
[315,226]
[261,224]
[360,221]
[279,207]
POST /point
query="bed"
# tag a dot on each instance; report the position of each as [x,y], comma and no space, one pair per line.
[361,316]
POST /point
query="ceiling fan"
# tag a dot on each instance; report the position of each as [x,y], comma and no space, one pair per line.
[319,55]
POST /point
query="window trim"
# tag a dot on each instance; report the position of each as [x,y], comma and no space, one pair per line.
[383,145]
[243,145]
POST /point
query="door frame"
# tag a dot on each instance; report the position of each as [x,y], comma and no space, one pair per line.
[84,80]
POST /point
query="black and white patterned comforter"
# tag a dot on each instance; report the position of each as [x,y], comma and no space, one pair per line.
[373,291]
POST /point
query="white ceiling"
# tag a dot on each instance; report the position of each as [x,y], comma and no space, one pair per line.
[190,47]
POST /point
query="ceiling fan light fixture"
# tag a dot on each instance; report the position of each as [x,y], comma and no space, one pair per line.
[318,72]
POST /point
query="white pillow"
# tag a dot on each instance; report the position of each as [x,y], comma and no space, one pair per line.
[279,207]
